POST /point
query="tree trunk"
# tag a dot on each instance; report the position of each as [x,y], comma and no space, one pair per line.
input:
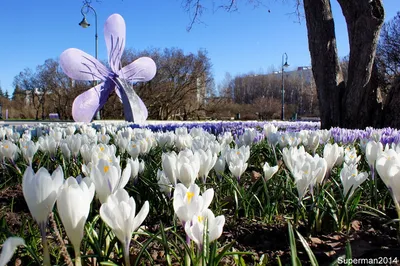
[360,103]
[392,103]
[355,104]
[324,59]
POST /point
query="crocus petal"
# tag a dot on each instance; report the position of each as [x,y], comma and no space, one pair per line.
[79,65]
[142,69]
[141,216]
[126,174]
[114,34]
[87,103]
[208,196]
[8,249]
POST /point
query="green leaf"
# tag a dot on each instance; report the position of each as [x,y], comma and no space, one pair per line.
[348,252]
[293,249]
[310,254]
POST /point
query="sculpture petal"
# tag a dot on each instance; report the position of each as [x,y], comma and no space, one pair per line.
[134,108]
[86,104]
[79,65]
[114,34]
[142,69]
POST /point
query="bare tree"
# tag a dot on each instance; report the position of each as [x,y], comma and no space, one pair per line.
[27,82]
[355,103]
[388,51]
[180,86]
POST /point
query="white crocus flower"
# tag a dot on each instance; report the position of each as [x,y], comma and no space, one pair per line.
[122,143]
[134,167]
[207,162]
[133,148]
[220,165]
[166,139]
[320,163]
[304,178]
[103,138]
[74,144]
[65,150]
[105,152]
[142,166]
[324,135]
[187,167]
[40,192]
[56,134]
[388,167]
[291,155]
[119,213]
[350,156]
[107,178]
[313,141]
[8,249]
[188,202]
[73,205]
[243,153]
[351,179]
[183,140]
[269,171]
[331,155]
[340,158]
[29,149]
[283,139]
[70,130]
[169,166]
[163,183]
[48,144]
[9,150]
[225,139]
[249,136]
[373,150]
[268,129]
[237,166]
[86,152]
[205,223]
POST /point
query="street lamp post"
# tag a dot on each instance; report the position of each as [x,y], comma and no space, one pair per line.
[284,64]
[84,24]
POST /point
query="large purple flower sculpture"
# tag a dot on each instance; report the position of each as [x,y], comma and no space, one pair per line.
[79,65]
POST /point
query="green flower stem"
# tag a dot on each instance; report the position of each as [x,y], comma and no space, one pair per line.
[46,254]
[125,246]
[77,251]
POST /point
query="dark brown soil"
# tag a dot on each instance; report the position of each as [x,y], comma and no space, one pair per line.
[370,237]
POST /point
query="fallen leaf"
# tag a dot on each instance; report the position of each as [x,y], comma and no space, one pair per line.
[316,241]
[356,225]
[255,176]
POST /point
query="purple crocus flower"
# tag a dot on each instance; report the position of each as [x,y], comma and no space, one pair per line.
[79,65]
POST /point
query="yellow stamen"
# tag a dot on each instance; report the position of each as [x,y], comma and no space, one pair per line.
[106,168]
[101,148]
[189,196]
[200,218]
[6,146]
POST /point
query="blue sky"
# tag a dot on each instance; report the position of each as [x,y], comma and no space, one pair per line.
[248,40]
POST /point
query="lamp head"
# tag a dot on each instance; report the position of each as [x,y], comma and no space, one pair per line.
[84,23]
[286,64]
